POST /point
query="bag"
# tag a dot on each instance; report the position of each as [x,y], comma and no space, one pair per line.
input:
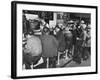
[34,46]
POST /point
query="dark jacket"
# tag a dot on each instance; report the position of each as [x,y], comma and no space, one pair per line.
[61,40]
[49,45]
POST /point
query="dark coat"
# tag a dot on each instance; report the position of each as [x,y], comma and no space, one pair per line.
[49,45]
[61,40]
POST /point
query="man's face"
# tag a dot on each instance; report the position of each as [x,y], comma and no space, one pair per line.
[33,24]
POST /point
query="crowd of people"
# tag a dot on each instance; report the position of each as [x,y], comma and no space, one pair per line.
[71,40]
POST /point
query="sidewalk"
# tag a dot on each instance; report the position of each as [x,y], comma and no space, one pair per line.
[74,64]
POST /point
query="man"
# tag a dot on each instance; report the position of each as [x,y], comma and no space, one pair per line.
[32,49]
[79,42]
[88,39]
[69,38]
[61,39]
[87,46]
[49,46]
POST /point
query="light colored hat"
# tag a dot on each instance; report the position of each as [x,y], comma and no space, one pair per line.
[71,21]
[82,22]
[83,26]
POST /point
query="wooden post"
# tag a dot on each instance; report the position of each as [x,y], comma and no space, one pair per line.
[32,66]
[73,50]
[47,62]
[58,62]
[66,57]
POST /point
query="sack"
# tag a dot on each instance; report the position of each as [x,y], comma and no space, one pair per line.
[34,46]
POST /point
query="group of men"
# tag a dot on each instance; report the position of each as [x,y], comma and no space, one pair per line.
[41,41]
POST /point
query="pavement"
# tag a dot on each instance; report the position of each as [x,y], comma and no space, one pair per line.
[68,63]
[82,64]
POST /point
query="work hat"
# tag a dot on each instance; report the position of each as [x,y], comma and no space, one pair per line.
[82,22]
